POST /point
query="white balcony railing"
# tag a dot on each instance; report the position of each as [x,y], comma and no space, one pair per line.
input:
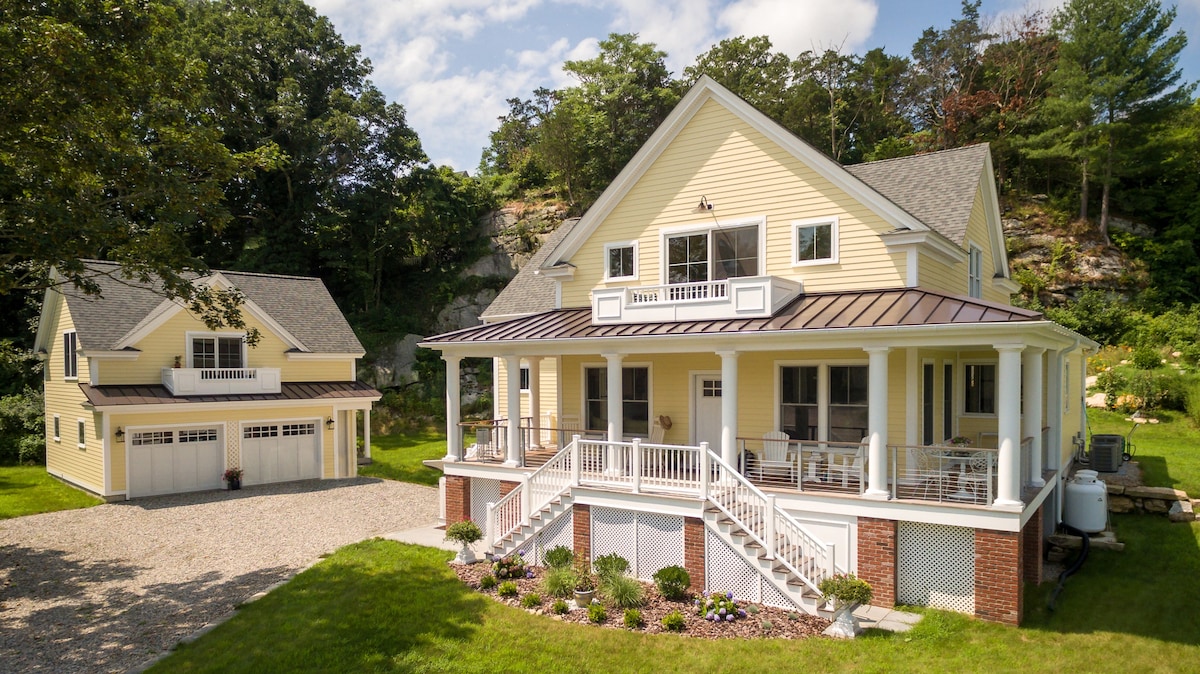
[197,381]
[745,297]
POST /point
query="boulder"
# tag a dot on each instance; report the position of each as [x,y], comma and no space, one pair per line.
[393,364]
[1120,504]
[1162,493]
[1155,505]
[464,311]
[1115,489]
[1181,511]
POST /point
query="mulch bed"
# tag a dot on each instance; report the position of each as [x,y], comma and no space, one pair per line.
[760,621]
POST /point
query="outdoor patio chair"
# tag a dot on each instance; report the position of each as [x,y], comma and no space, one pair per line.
[930,472]
[973,480]
[847,465]
[775,454]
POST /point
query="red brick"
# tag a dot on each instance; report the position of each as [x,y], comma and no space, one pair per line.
[694,551]
[582,523]
[1032,553]
[998,576]
[877,558]
[458,499]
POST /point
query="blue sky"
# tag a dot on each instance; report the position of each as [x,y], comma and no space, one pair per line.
[453,63]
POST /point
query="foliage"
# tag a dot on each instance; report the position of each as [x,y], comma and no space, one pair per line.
[845,588]
[1163,389]
[22,428]
[487,581]
[633,618]
[30,490]
[622,590]
[511,566]
[232,474]
[531,600]
[674,622]
[465,532]
[559,557]
[559,582]
[1095,314]
[560,607]
[596,613]
[585,581]
[719,607]
[1111,382]
[1192,404]
[1146,358]
[672,582]
[507,589]
[610,565]
[400,456]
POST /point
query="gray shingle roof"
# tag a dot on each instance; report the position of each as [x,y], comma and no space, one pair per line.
[937,188]
[299,304]
[529,292]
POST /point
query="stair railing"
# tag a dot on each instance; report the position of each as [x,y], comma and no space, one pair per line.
[536,489]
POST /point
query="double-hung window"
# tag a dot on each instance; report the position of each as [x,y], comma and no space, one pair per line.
[635,399]
[814,241]
[70,355]
[214,351]
[620,260]
[712,255]
[975,272]
[843,407]
[980,389]
[524,378]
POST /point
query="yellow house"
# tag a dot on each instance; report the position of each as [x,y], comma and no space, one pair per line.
[764,366]
[142,398]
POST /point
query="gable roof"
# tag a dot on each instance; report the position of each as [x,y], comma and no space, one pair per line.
[299,305]
[530,292]
[937,188]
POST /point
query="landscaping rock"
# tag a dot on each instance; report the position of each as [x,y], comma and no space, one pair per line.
[1181,511]
[1114,489]
[1163,493]
[1155,505]
[1120,504]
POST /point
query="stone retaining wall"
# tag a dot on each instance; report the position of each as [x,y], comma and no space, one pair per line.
[1174,503]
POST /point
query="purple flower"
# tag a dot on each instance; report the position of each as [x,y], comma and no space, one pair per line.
[722,611]
[709,616]
[729,595]
[697,602]
[741,613]
[729,618]
[529,574]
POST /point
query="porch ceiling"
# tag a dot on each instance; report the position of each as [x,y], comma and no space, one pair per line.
[812,313]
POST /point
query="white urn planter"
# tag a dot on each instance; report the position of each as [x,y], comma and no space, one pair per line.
[845,624]
[465,555]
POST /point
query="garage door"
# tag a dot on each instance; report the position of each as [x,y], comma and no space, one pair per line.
[280,452]
[174,461]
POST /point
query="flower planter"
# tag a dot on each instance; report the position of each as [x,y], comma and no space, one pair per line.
[235,483]
[845,625]
[583,598]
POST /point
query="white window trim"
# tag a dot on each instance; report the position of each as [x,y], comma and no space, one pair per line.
[822,389]
[834,222]
[666,233]
[72,356]
[81,426]
[187,359]
[636,265]
[962,392]
[974,271]
[56,429]
[527,375]
[583,368]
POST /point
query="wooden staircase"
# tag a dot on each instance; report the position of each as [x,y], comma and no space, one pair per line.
[518,538]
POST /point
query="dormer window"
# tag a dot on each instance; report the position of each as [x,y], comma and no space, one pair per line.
[621,261]
[217,351]
[814,241]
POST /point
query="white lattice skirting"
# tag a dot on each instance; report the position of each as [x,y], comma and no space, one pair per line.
[559,532]
[649,541]
[936,566]
[483,492]
[727,571]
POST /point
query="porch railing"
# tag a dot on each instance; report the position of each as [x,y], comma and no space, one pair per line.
[677,292]
[807,465]
[944,473]
[537,489]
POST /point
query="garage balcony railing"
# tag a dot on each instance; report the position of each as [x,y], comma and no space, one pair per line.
[207,381]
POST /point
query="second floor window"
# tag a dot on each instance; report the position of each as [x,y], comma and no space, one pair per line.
[217,352]
[975,272]
[712,256]
[621,261]
[70,355]
[814,242]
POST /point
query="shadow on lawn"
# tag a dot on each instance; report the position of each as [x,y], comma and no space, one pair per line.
[50,600]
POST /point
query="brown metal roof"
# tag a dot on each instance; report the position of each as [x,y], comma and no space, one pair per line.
[813,311]
[101,396]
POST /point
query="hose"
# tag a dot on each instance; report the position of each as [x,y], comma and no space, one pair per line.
[1075,566]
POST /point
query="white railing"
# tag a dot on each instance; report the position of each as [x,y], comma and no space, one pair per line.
[536,490]
[183,381]
[781,536]
[807,465]
[677,292]
[742,297]
[944,473]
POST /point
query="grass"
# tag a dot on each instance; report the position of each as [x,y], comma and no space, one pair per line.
[398,457]
[29,490]
[382,606]
[1167,451]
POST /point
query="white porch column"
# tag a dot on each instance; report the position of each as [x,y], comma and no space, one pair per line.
[535,400]
[877,421]
[912,398]
[1008,413]
[729,406]
[1032,419]
[453,409]
[367,433]
[616,425]
[512,364]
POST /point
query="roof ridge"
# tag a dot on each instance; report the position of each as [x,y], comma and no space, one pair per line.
[111,263]
[948,150]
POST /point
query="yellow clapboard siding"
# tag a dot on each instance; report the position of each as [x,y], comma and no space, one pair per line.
[937,275]
[63,397]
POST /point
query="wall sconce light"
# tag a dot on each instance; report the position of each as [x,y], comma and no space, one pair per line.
[705,205]
[329,423]
[120,434]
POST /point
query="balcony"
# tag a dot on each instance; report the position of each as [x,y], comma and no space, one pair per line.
[195,381]
[745,297]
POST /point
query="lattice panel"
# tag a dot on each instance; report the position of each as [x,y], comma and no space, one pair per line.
[773,597]
[614,531]
[559,532]
[726,571]
[659,543]
[936,566]
[483,492]
[233,445]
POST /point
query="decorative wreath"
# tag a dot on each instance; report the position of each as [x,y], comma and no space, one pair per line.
[665,422]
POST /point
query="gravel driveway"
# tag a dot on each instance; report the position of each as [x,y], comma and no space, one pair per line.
[106,588]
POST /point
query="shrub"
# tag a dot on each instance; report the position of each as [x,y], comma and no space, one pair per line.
[633,618]
[1162,390]
[584,580]
[531,600]
[610,565]
[767,626]
[1146,358]
[507,589]
[487,582]
[510,566]
[560,607]
[23,428]
[559,557]
[672,582]
[623,591]
[674,622]
[559,582]
[597,614]
[1111,382]
[465,531]
[719,607]
[846,588]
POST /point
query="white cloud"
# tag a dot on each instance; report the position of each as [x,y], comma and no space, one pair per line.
[795,27]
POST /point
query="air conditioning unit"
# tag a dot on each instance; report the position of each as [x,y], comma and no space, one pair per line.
[1107,453]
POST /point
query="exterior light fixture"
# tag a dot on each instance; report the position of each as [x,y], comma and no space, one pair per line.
[329,423]
[705,205]
[120,434]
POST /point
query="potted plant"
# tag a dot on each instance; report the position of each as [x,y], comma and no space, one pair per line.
[959,441]
[178,361]
[465,533]
[585,584]
[846,592]
[233,478]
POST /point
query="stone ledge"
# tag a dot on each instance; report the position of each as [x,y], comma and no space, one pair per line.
[1163,493]
[1181,511]
[1105,540]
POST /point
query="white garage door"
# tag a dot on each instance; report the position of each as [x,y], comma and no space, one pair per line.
[280,452]
[173,461]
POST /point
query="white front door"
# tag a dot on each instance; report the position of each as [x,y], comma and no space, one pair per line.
[706,417]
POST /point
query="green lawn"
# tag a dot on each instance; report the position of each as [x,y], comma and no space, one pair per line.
[29,490]
[398,456]
[1168,452]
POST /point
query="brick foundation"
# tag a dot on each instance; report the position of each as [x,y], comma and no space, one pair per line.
[998,576]
[1032,541]
[458,499]
[877,558]
[693,551]
[506,487]
[581,521]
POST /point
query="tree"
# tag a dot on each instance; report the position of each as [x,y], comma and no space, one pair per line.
[1117,73]
[748,68]
[946,68]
